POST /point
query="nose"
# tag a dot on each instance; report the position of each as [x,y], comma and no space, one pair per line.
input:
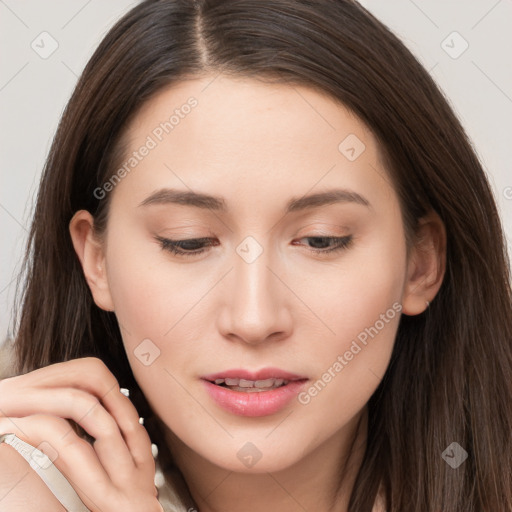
[256,306]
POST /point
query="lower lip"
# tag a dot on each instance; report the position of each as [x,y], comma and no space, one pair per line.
[256,403]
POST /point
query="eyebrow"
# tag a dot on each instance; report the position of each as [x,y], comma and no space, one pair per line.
[199,200]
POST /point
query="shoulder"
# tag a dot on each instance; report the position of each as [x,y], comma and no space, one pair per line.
[21,488]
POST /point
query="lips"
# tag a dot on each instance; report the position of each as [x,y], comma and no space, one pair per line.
[258,393]
[253,401]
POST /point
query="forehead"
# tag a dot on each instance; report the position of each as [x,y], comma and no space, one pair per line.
[245,112]
[233,136]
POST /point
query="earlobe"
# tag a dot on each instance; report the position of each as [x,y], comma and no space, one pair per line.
[92,258]
[426,265]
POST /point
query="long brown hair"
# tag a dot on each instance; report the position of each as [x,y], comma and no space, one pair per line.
[450,376]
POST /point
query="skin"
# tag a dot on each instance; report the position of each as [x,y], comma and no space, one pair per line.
[258,145]
[28,488]
[114,472]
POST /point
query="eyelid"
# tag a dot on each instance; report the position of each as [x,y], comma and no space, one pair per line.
[173,246]
[341,243]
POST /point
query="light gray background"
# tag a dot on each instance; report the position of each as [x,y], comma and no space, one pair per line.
[34,90]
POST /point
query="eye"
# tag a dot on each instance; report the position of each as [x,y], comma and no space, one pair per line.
[190,247]
[333,243]
[195,246]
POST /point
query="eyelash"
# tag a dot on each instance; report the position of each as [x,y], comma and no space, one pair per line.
[176,246]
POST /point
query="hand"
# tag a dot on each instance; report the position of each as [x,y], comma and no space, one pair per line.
[115,472]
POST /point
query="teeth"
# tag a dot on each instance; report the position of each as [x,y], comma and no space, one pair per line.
[267,383]
[244,383]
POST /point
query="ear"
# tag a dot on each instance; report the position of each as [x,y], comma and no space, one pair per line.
[426,265]
[90,252]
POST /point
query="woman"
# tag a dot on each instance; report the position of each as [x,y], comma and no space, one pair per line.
[264,220]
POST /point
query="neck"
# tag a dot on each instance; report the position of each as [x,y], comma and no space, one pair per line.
[322,480]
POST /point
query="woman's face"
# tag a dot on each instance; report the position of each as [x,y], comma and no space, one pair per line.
[273,295]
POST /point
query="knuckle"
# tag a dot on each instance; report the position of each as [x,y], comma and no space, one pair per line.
[89,403]
[82,403]
[111,384]
[92,408]
[131,427]
[98,367]
[72,441]
[109,426]
[94,363]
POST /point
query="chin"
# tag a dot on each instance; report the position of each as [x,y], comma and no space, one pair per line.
[271,462]
[256,456]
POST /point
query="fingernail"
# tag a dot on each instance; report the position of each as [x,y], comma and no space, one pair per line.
[126,392]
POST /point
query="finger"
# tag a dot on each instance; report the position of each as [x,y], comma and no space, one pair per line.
[74,457]
[134,434]
[86,410]
[101,383]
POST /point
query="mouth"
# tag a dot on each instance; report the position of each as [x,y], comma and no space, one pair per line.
[253,393]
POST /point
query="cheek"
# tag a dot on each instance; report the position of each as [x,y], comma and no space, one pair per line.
[151,298]
[160,311]
[352,295]
[150,293]
[361,305]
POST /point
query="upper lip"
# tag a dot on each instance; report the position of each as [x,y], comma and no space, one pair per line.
[264,373]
